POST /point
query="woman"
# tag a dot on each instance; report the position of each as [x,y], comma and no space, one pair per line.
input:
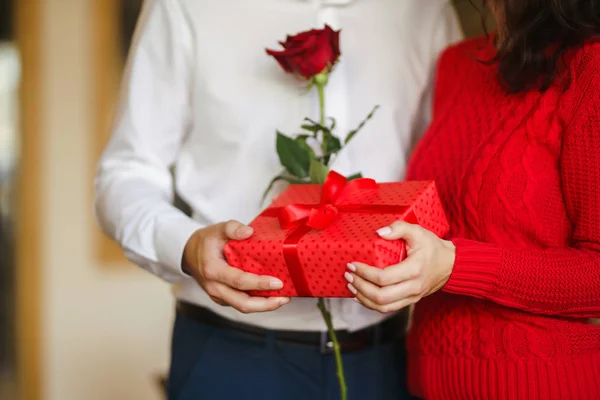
[504,306]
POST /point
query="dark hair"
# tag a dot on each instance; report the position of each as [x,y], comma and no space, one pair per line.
[536,34]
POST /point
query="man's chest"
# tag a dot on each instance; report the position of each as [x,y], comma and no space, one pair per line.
[382,61]
[240,96]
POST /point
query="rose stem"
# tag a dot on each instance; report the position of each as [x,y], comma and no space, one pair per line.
[321,82]
[321,90]
[336,349]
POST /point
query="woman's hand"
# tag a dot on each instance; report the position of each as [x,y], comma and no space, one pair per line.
[425,270]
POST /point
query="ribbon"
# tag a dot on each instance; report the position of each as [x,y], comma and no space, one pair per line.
[305,217]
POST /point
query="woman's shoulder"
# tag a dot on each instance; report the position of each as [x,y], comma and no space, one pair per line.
[462,60]
[467,50]
[584,59]
[580,86]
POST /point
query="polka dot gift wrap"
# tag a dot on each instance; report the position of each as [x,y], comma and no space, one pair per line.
[319,256]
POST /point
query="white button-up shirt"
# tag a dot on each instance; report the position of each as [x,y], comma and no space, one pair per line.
[200,95]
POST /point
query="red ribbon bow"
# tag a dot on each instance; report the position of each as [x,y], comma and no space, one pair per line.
[305,217]
[320,216]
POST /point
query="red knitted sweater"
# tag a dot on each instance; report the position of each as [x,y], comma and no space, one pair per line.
[519,176]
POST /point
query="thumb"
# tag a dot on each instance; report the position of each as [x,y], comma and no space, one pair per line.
[401,230]
[236,230]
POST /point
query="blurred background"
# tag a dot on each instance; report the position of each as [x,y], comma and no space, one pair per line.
[70,320]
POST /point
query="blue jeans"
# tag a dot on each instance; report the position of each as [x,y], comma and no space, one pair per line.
[209,363]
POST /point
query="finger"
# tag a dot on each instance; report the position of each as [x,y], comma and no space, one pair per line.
[236,230]
[384,295]
[388,308]
[218,301]
[248,304]
[400,230]
[408,269]
[240,280]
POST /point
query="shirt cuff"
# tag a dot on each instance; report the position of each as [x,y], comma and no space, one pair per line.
[476,268]
[172,234]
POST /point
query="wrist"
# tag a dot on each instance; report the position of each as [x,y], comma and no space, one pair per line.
[190,254]
[449,257]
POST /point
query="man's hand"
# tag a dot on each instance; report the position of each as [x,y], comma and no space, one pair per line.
[226,285]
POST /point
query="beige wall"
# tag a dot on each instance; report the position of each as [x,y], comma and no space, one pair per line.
[106,330]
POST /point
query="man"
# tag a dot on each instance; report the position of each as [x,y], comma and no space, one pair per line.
[201,95]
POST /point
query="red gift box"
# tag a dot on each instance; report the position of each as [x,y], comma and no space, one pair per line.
[311,232]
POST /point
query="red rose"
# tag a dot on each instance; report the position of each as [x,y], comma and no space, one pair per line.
[309,53]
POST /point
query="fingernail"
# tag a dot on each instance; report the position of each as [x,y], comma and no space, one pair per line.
[352,289]
[244,231]
[356,300]
[351,267]
[275,284]
[349,277]
[386,230]
[284,301]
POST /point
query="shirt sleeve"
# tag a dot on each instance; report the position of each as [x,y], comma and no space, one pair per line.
[134,186]
[554,281]
[447,31]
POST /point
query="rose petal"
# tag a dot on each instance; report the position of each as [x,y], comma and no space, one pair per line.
[309,53]
[282,59]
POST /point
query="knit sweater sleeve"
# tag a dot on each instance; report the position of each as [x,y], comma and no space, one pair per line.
[554,281]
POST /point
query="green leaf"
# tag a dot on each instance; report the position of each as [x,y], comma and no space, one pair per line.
[293,156]
[315,123]
[326,133]
[352,177]
[314,127]
[311,128]
[333,122]
[318,171]
[301,140]
[333,145]
[361,125]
